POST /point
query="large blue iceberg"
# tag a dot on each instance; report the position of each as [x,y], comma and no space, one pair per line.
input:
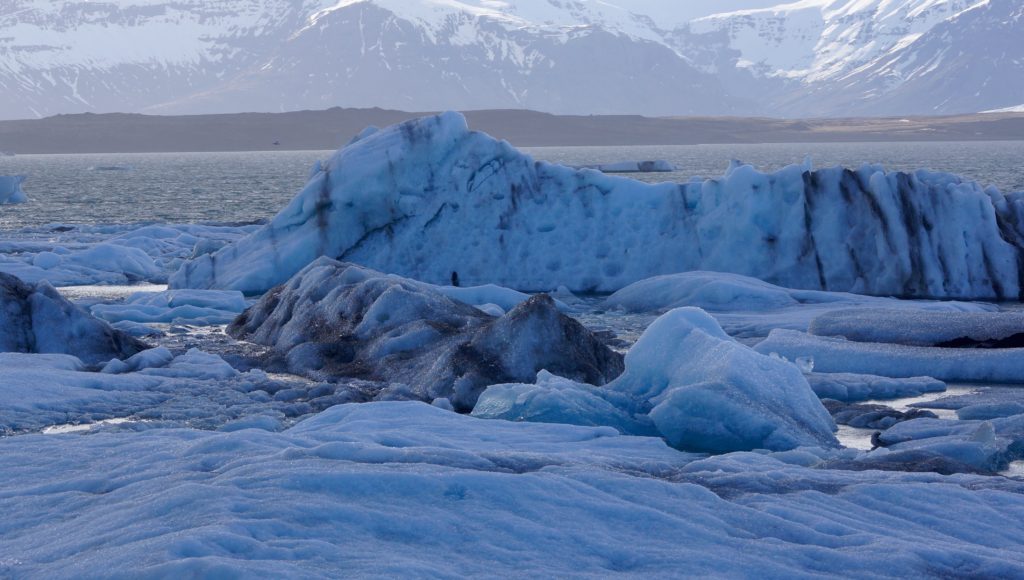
[429,198]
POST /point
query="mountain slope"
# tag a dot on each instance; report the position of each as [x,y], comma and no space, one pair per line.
[653,57]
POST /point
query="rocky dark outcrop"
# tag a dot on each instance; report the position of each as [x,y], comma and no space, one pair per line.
[335,319]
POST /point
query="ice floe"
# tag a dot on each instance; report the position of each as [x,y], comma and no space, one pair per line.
[924,328]
[205,307]
[838,355]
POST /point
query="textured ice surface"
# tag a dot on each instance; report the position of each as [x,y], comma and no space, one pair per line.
[725,292]
[336,319]
[34,318]
[396,200]
[10,189]
[851,387]
[923,328]
[406,489]
[986,446]
[194,389]
[691,383]
[206,307]
[109,255]
[837,355]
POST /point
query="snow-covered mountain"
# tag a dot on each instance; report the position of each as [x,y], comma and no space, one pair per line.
[657,57]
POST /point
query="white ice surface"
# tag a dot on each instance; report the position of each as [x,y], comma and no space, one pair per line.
[427,198]
[410,490]
[837,355]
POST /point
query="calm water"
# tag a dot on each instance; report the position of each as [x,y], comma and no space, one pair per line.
[188,187]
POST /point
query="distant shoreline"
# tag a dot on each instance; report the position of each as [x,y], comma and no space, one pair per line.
[332,128]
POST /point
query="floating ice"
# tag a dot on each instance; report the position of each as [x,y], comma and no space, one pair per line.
[837,355]
[334,319]
[196,307]
[924,328]
[36,319]
[10,189]
[66,255]
[657,166]
[725,292]
[850,387]
[429,198]
[689,382]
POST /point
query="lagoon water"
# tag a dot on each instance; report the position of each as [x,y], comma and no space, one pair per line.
[239,187]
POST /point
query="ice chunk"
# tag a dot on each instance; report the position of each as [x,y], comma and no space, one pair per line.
[837,355]
[10,189]
[850,387]
[36,319]
[396,200]
[924,328]
[196,307]
[689,382]
[341,320]
[983,446]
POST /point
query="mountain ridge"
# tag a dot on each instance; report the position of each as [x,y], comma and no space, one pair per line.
[742,57]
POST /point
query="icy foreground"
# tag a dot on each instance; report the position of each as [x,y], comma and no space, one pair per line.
[689,382]
[428,197]
[10,189]
[34,318]
[336,319]
[404,489]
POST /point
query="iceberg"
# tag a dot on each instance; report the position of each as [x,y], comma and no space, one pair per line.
[10,189]
[336,319]
[429,199]
[689,382]
[37,319]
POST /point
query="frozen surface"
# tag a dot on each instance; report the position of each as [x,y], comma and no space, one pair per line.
[10,189]
[725,292]
[986,446]
[336,319]
[197,307]
[154,389]
[837,355]
[66,255]
[35,318]
[691,383]
[924,328]
[396,199]
[410,481]
[850,387]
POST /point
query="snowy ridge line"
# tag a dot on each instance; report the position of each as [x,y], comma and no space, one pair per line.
[395,200]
